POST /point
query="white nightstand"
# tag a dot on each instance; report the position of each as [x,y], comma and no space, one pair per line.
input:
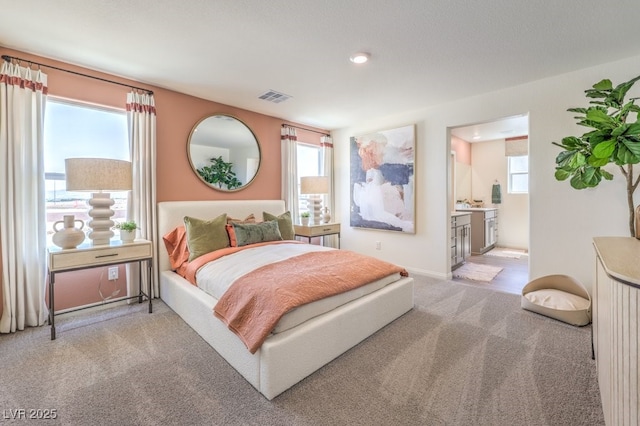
[87,256]
[310,231]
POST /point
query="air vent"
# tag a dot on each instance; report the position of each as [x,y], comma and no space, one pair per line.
[273,96]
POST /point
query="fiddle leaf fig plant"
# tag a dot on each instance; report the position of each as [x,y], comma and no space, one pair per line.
[613,138]
[220,173]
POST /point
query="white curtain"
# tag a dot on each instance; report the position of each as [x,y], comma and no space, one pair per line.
[326,144]
[289,181]
[141,120]
[22,197]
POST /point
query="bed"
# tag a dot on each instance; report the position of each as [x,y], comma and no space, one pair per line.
[287,357]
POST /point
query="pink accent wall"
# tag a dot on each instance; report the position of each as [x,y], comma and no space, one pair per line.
[462,149]
[176,115]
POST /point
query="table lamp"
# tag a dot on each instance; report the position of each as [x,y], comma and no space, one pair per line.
[315,186]
[98,175]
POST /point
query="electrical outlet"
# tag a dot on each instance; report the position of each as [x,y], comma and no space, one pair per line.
[113,273]
[378,245]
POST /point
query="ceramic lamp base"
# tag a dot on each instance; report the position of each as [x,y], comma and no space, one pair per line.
[101,222]
[315,208]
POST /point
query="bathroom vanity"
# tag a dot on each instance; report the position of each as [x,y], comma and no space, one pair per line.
[484,228]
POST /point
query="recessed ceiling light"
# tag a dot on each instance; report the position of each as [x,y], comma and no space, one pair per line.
[476,137]
[359,58]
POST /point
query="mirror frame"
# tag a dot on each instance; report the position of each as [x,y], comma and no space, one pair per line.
[194,168]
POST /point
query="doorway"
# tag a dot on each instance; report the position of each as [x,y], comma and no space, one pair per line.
[488,168]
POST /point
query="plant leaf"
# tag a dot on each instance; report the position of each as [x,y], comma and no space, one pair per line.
[603,85]
[576,181]
[577,160]
[620,130]
[571,142]
[604,149]
[621,90]
[598,136]
[605,174]
[599,116]
[563,157]
[562,174]
[598,162]
[589,177]
[631,145]
[595,94]
[633,129]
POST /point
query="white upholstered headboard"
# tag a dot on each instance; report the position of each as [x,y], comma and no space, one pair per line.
[171,214]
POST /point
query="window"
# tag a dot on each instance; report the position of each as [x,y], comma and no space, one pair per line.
[73,129]
[518,169]
[309,161]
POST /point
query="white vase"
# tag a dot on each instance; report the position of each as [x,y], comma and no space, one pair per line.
[304,221]
[127,236]
[68,236]
[326,215]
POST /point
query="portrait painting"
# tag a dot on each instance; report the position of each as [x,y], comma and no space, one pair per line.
[382,180]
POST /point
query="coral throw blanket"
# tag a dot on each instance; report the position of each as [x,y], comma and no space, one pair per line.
[255,302]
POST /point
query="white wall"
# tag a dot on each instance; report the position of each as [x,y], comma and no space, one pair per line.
[488,164]
[463,181]
[563,221]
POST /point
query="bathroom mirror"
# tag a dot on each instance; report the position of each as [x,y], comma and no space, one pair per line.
[223,152]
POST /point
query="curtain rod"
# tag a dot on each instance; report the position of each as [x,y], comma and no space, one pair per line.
[308,130]
[9,58]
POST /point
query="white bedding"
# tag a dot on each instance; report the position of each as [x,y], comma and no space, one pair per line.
[217,276]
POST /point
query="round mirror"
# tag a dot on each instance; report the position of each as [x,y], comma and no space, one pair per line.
[224,152]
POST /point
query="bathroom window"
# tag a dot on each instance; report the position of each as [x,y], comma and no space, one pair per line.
[518,169]
[74,129]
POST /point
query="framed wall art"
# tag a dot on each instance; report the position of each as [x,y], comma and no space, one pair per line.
[382,180]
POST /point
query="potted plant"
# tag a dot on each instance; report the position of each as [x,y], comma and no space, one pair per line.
[614,138]
[304,218]
[127,230]
[220,173]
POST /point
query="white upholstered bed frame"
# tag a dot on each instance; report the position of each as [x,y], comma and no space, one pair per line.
[288,357]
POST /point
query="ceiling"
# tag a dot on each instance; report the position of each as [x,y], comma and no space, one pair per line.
[509,127]
[423,53]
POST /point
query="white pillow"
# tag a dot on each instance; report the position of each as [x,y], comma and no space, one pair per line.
[557,299]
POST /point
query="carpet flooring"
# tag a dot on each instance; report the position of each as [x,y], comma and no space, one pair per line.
[465,355]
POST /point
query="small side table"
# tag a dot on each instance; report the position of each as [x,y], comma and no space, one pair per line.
[87,256]
[321,230]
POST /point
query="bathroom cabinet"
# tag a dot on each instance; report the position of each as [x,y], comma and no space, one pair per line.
[484,228]
[460,238]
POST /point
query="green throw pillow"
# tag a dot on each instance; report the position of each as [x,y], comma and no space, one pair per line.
[284,223]
[205,236]
[251,233]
